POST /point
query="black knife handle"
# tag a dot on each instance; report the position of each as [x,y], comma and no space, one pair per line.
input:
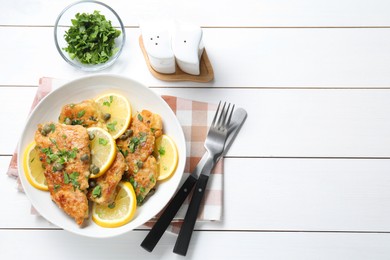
[183,240]
[169,213]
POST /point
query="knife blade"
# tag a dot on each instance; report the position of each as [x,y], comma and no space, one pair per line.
[154,235]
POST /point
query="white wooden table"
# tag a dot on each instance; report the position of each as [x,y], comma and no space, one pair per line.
[309,174]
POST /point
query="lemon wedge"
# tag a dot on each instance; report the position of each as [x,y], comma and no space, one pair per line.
[103,151]
[167,156]
[33,168]
[116,111]
[120,212]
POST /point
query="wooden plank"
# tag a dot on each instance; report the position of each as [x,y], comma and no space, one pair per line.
[14,101]
[272,195]
[273,58]
[306,122]
[218,13]
[204,245]
[281,122]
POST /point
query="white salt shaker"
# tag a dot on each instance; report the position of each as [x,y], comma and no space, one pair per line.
[187,46]
[157,43]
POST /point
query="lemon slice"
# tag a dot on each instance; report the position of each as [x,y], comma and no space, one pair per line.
[167,157]
[116,111]
[118,213]
[103,151]
[33,168]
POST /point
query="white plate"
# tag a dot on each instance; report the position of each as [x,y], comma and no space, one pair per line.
[140,97]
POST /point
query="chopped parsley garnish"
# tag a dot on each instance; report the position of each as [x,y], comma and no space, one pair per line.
[103,141]
[143,137]
[111,205]
[66,178]
[108,103]
[133,182]
[77,121]
[50,156]
[97,191]
[134,141]
[91,38]
[161,150]
[111,126]
[72,178]
[62,156]
[125,152]
[140,199]
[53,141]
[81,113]
[52,127]
[56,187]
[140,118]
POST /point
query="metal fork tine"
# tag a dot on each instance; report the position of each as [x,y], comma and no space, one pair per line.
[225,116]
[230,116]
[222,116]
[216,114]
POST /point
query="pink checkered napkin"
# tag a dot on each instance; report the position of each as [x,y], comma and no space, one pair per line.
[195,118]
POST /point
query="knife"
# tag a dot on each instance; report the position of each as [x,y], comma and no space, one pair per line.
[154,235]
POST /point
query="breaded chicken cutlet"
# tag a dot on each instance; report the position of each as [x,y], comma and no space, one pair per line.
[103,191]
[64,153]
[138,145]
[85,113]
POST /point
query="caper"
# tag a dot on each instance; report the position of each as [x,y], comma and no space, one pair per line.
[126,135]
[58,166]
[84,157]
[46,128]
[92,183]
[140,164]
[106,116]
[68,121]
[123,137]
[129,132]
[94,169]
[43,133]
[91,136]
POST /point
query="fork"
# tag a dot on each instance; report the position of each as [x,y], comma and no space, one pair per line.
[214,144]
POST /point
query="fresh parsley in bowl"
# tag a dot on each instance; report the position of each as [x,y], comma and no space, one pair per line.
[89,35]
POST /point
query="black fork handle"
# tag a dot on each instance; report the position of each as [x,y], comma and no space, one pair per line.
[169,213]
[183,240]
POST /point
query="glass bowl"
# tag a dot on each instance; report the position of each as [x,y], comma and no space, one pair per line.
[64,22]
